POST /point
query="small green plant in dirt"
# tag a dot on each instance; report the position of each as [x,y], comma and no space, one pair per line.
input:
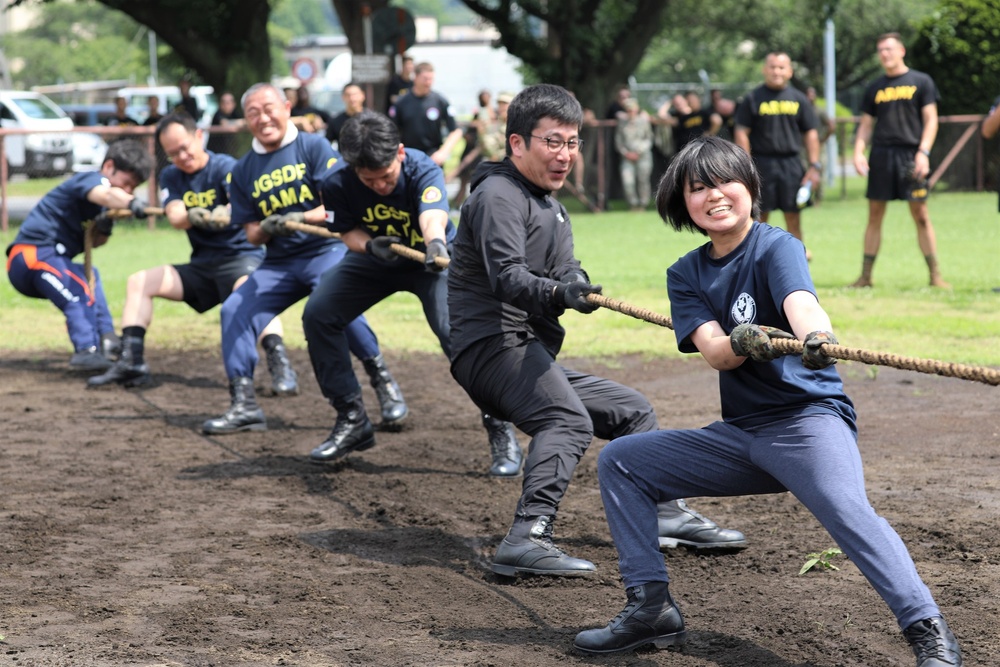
[821,560]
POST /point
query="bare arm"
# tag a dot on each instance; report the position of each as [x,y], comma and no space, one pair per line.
[442,154]
[741,135]
[864,135]
[432,224]
[922,160]
[177,215]
[715,123]
[713,343]
[804,313]
[811,140]
[991,124]
[109,196]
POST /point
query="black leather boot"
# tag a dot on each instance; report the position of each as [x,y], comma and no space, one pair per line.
[679,525]
[505,452]
[243,414]
[89,360]
[129,371]
[284,379]
[390,397]
[649,617]
[535,553]
[933,643]
[353,432]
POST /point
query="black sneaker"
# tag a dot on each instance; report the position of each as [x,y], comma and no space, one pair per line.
[933,643]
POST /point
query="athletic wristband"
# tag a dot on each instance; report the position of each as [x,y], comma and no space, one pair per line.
[924,151]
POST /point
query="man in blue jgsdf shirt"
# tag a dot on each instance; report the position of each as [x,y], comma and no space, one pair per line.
[386,194]
[195,194]
[40,261]
[276,182]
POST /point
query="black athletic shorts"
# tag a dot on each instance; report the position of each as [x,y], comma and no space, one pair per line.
[207,284]
[890,175]
[780,179]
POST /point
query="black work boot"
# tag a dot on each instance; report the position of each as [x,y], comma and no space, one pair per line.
[243,414]
[353,432]
[505,452]
[284,379]
[129,371]
[534,553]
[390,398]
[649,617]
[89,360]
[933,643]
[679,525]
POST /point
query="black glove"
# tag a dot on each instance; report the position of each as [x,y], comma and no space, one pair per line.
[199,217]
[751,340]
[103,224]
[138,207]
[274,225]
[435,248]
[574,295]
[379,247]
[813,356]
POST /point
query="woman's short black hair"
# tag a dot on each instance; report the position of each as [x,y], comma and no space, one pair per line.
[708,160]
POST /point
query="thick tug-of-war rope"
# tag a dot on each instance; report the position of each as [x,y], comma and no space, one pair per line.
[982,374]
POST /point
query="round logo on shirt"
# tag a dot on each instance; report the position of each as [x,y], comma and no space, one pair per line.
[433,113]
[431,195]
[745,309]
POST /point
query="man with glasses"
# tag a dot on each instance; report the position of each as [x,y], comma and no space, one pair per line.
[512,275]
[195,193]
[387,194]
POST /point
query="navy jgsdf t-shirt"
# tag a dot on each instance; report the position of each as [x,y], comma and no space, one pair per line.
[353,204]
[749,285]
[57,219]
[207,188]
[284,181]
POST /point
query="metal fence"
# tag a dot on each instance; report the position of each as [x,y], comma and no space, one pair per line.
[961,159]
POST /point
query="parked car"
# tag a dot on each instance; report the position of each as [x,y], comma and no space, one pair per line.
[89,148]
[46,153]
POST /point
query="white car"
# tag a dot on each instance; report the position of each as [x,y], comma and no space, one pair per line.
[88,151]
[47,153]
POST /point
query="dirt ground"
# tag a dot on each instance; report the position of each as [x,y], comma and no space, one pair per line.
[129,538]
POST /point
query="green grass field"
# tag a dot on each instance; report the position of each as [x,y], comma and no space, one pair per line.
[628,253]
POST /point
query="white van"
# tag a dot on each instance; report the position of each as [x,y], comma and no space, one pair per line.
[44,154]
[137,101]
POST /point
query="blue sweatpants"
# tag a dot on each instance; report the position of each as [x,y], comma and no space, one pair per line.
[271,288]
[815,457]
[42,273]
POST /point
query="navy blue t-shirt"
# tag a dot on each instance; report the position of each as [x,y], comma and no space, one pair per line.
[207,188]
[284,181]
[57,219]
[750,285]
[353,204]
